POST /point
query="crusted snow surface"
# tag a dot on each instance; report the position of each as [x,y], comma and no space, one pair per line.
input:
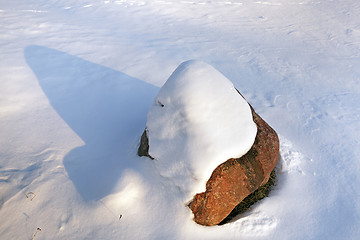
[197,121]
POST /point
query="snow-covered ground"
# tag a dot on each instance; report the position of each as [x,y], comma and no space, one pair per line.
[79,76]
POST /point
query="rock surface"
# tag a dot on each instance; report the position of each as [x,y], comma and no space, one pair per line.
[143,150]
[235,179]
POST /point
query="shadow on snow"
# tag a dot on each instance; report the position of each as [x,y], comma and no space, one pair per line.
[106,108]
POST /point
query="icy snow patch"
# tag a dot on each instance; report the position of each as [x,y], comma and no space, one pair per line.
[197,121]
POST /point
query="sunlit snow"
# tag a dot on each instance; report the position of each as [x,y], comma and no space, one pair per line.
[78,78]
[198,121]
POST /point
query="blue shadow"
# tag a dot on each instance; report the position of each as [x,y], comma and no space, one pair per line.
[106,108]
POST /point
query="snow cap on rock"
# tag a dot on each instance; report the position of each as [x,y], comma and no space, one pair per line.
[197,121]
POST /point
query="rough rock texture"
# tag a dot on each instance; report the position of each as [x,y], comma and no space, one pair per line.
[143,149]
[235,179]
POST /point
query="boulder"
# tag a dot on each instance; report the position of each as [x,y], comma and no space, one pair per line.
[232,181]
[207,138]
[235,179]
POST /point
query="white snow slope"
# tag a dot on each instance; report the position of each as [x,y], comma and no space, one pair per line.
[197,121]
[78,78]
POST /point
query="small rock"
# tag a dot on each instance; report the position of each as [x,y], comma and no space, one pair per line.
[143,149]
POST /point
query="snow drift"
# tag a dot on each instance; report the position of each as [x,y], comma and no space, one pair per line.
[198,121]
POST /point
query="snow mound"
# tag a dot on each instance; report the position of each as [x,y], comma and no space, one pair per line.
[197,121]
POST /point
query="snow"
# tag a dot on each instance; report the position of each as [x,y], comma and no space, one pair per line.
[79,76]
[197,121]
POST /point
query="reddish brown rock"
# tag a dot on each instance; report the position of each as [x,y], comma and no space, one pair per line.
[235,179]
